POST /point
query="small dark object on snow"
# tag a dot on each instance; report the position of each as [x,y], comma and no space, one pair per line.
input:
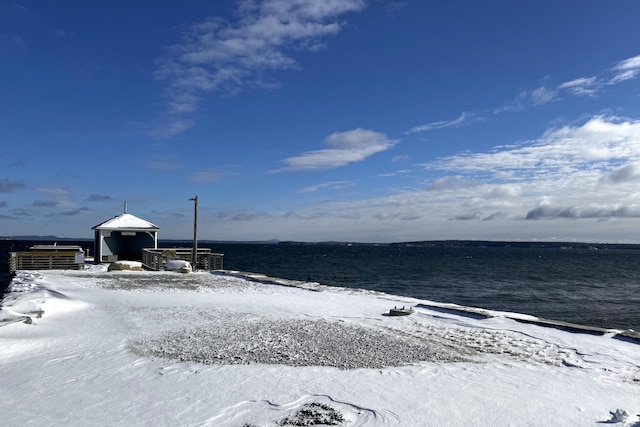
[395,311]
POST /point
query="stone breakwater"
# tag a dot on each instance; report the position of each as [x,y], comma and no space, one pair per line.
[242,339]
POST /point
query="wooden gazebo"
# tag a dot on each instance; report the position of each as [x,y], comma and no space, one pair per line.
[123,237]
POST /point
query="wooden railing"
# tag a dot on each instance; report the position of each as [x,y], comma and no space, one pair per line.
[155,259]
[41,260]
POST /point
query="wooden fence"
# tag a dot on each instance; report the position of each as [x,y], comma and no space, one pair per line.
[155,259]
[46,260]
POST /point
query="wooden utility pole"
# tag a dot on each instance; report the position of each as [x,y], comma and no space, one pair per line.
[194,255]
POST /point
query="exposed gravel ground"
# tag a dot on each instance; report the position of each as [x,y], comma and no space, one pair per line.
[164,281]
[245,339]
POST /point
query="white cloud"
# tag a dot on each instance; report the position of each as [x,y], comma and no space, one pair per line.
[540,96]
[571,163]
[504,191]
[584,86]
[462,119]
[217,54]
[626,70]
[344,148]
[591,145]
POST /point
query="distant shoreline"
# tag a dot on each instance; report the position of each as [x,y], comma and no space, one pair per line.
[420,243]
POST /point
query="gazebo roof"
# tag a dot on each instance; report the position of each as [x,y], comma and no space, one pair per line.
[126,221]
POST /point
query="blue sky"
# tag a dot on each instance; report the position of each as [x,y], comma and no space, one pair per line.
[348,120]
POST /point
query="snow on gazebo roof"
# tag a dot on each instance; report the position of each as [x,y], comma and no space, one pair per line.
[126,221]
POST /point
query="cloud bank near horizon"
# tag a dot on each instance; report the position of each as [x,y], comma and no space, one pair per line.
[582,172]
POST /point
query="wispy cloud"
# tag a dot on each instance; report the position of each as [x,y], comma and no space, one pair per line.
[586,86]
[171,126]
[8,186]
[583,86]
[45,203]
[529,98]
[20,213]
[72,212]
[206,176]
[249,216]
[98,198]
[542,95]
[219,55]
[462,119]
[590,86]
[333,185]
[626,70]
[394,173]
[344,148]
[400,158]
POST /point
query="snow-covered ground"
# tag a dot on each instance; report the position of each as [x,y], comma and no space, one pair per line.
[128,348]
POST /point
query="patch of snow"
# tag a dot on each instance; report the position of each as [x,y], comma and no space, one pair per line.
[178,266]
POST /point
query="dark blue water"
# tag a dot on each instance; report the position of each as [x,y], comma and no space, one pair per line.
[598,288]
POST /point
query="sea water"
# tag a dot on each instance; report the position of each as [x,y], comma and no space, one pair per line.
[590,287]
[597,288]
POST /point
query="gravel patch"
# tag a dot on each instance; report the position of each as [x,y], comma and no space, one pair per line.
[243,339]
[164,281]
